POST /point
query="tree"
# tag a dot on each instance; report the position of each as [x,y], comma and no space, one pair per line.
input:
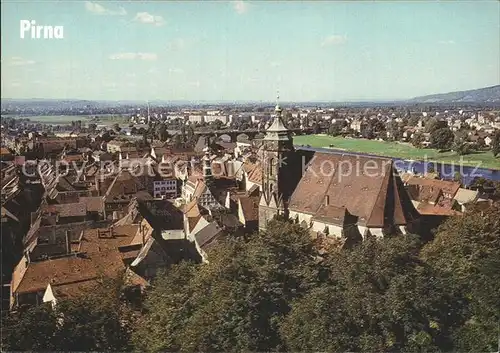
[92,127]
[417,139]
[334,130]
[495,144]
[116,127]
[466,253]
[163,134]
[30,329]
[395,130]
[235,302]
[369,303]
[177,141]
[217,124]
[434,124]
[442,138]
[97,321]
[460,144]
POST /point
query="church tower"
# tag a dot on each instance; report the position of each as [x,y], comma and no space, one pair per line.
[276,168]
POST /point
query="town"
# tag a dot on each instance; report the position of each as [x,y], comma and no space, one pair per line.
[85,200]
[250,176]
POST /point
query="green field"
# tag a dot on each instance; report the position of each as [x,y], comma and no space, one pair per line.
[397,150]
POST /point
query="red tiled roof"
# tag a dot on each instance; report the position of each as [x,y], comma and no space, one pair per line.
[78,209]
[66,270]
[250,207]
[93,204]
[73,158]
[368,188]
[4,151]
[255,176]
[101,239]
[331,214]
[448,187]
[436,210]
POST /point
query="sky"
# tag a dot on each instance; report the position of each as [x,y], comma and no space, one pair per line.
[246,51]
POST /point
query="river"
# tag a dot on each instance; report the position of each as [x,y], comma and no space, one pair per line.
[447,171]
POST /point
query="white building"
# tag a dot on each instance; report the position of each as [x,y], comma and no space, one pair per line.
[195,119]
[165,188]
[213,118]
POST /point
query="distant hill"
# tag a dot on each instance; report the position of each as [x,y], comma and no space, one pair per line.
[481,95]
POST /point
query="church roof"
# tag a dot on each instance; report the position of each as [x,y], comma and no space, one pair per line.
[368,188]
[277,125]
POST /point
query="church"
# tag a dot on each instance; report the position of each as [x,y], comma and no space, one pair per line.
[339,195]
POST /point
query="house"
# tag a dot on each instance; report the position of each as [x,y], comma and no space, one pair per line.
[5,154]
[421,188]
[466,197]
[122,188]
[335,193]
[205,235]
[96,254]
[248,211]
[67,276]
[354,204]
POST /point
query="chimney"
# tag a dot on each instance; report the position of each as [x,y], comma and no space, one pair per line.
[327,200]
[68,243]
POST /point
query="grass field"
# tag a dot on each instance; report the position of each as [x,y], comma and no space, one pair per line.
[397,150]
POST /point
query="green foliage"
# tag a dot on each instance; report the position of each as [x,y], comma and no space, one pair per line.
[495,144]
[30,330]
[460,144]
[334,130]
[466,253]
[96,322]
[379,297]
[442,138]
[433,124]
[270,293]
[235,302]
[162,132]
[417,139]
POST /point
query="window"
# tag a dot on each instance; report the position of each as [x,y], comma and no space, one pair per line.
[271,167]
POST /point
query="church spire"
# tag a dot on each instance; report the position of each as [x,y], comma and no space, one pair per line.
[277,130]
[278,109]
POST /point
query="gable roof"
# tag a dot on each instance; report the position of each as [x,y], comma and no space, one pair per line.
[207,235]
[368,188]
[448,187]
[65,270]
[255,175]
[250,207]
[464,196]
